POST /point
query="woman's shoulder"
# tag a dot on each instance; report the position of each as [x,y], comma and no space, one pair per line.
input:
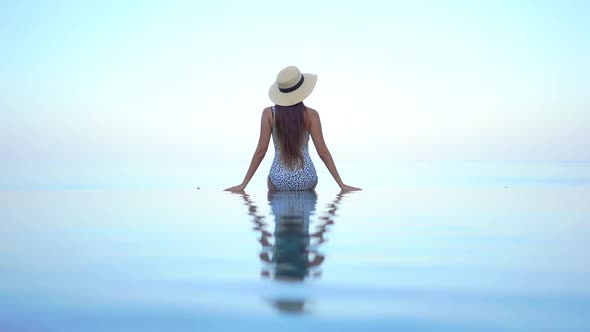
[267,111]
[267,115]
[312,112]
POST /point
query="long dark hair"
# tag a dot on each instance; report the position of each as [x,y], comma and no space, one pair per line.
[290,125]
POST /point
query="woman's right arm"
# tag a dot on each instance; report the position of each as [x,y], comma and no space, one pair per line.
[320,145]
[260,152]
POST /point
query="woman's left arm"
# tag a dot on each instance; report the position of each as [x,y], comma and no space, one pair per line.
[263,140]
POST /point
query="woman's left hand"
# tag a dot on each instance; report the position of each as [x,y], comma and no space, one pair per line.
[235,189]
[346,188]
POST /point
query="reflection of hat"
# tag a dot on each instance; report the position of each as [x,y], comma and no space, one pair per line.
[291,86]
[290,306]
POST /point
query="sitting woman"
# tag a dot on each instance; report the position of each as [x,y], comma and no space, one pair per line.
[291,123]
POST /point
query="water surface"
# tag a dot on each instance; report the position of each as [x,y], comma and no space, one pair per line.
[425,247]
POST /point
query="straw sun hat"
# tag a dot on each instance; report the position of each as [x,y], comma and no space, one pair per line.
[291,86]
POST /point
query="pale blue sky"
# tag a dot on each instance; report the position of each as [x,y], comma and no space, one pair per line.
[187,80]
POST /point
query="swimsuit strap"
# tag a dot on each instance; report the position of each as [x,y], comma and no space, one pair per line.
[273,116]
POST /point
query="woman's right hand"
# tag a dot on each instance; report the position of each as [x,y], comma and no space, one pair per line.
[236,189]
[349,188]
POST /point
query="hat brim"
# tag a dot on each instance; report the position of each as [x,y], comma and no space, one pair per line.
[294,97]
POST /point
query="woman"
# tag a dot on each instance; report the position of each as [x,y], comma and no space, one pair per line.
[291,123]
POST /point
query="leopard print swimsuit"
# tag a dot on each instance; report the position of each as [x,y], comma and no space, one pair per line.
[285,178]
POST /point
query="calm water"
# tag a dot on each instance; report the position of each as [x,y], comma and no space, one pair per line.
[425,247]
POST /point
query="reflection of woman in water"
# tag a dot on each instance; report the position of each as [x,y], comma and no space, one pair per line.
[290,255]
[293,255]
